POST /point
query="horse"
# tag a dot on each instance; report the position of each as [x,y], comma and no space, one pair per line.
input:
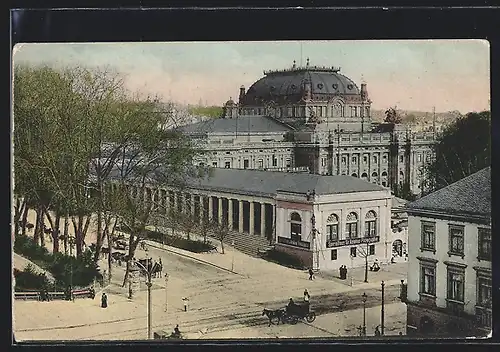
[273,315]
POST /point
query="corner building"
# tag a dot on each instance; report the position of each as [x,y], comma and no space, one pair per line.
[312,119]
[450,290]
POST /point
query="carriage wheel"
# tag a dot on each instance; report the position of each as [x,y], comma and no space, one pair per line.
[310,317]
[275,320]
[293,319]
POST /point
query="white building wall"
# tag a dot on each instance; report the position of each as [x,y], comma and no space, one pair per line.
[441,255]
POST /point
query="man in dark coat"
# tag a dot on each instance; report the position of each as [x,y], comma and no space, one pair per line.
[104,301]
[311,273]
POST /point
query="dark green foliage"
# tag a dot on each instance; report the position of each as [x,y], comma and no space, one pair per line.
[179,242]
[66,269]
[404,192]
[210,111]
[29,279]
[463,149]
[284,259]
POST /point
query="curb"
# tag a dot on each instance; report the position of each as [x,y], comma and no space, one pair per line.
[193,258]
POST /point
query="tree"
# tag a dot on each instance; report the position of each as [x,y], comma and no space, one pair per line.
[364,252]
[392,116]
[462,149]
[221,230]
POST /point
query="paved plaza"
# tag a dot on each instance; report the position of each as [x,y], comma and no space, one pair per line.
[223,303]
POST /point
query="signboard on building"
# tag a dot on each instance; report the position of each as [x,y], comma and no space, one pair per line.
[290,242]
[351,241]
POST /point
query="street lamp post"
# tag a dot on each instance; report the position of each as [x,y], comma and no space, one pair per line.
[232,258]
[382,313]
[148,271]
[166,291]
[364,314]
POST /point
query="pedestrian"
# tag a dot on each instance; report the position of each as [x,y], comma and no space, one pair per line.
[377,331]
[311,274]
[306,296]
[104,301]
[341,272]
[345,272]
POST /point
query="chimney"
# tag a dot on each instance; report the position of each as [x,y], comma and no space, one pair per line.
[364,91]
[242,94]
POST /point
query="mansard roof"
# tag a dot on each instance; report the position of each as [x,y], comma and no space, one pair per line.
[241,124]
[468,196]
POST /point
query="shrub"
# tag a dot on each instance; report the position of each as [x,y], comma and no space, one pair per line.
[284,259]
[179,242]
[29,279]
[67,270]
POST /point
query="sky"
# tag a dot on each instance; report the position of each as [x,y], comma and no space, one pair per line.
[412,75]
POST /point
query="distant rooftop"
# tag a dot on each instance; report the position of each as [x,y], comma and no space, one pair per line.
[468,196]
[241,124]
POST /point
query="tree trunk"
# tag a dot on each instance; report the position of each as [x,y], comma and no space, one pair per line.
[38,224]
[55,233]
[109,237]
[24,220]
[18,211]
[366,265]
[66,233]
[100,237]
[222,246]
[77,226]
[132,246]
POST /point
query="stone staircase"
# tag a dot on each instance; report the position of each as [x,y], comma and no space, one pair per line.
[249,244]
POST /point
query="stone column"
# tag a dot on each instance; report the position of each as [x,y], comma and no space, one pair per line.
[202,207]
[219,215]
[230,213]
[262,219]
[210,207]
[192,203]
[240,215]
[252,216]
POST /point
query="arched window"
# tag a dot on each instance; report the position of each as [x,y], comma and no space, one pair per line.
[371,224]
[351,226]
[384,174]
[354,175]
[295,227]
[332,227]
[364,176]
[374,177]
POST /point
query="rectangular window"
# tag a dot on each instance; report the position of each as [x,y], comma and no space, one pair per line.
[374,159]
[353,252]
[246,164]
[484,241]
[352,230]
[334,254]
[344,160]
[427,158]
[428,279]
[365,159]
[288,163]
[483,292]
[456,239]
[371,249]
[295,232]
[419,157]
[455,284]
[214,164]
[384,157]
[428,236]
[333,232]
[354,160]
[227,164]
[401,158]
[275,161]
[370,228]
[261,164]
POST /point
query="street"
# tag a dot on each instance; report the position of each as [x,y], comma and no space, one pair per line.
[221,304]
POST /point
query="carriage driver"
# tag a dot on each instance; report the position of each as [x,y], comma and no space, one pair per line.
[290,306]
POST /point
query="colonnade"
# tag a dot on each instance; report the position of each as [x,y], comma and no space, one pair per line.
[240,213]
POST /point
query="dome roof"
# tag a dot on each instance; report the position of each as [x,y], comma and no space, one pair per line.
[276,85]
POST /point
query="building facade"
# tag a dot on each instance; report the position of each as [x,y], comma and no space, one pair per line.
[312,119]
[450,249]
[319,218]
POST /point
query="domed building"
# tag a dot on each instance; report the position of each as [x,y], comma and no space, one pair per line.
[310,95]
[312,119]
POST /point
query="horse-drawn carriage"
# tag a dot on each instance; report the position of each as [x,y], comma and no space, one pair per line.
[292,313]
